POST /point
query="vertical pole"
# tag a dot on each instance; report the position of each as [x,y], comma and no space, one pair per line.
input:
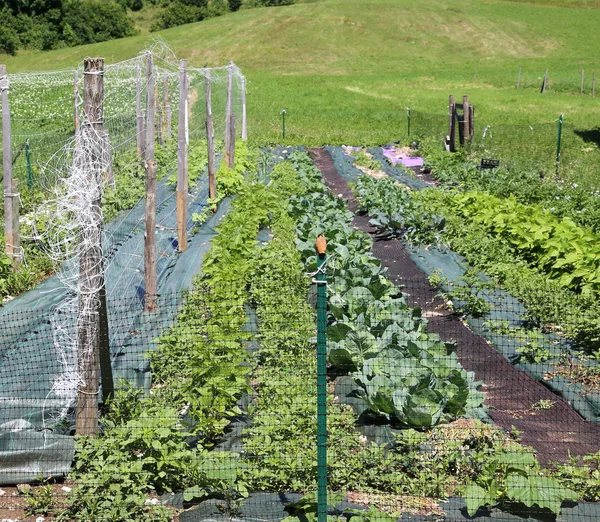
[182,160]
[466,114]
[244,123]
[451,124]
[28,159]
[519,79]
[139,116]
[232,141]
[91,339]
[228,111]
[593,85]
[283,123]
[321,380]
[159,125]
[10,234]
[150,284]
[210,139]
[408,119]
[545,82]
[76,101]
[471,121]
[581,83]
[558,139]
[167,105]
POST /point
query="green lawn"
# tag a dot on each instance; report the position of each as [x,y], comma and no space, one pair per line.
[345,70]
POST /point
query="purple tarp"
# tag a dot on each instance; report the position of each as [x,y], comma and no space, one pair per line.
[407,161]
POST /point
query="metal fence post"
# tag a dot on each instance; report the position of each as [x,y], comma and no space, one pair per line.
[408,117]
[321,380]
[283,123]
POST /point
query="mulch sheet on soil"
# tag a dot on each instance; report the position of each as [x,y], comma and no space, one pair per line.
[510,392]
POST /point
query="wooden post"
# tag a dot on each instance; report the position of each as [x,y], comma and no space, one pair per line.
[581,83]
[232,140]
[139,116]
[545,82]
[228,110]
[471,121]
[182,160]
[210,139]
[244,123]
[167,106]
[159,125]
[593,85]
[519,79]
[159,112]
[466,123]
[451,124]
[92,308]
[76,101]
[150,283]
[150,296]
[11,196]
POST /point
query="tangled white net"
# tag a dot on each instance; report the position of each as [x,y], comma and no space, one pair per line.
[75,170]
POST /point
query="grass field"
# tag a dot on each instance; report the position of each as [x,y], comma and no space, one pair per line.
[345,70]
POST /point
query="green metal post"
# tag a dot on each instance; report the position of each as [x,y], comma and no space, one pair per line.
[28,157]
[283,123]
[560,124]
[408,114]
[321,389]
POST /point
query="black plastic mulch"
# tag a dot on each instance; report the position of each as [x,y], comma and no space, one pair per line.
[510,392]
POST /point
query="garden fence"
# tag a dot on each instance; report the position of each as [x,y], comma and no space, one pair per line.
[439,402]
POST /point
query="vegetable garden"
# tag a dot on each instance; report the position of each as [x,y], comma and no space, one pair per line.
[459,381]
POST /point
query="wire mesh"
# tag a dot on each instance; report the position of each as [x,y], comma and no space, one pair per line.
[423,410]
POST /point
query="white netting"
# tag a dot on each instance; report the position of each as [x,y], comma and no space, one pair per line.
[73,169]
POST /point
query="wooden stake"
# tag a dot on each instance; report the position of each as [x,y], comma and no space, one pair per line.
[228,110]
[91,271]
[210,138]
[519,79]
[471,121]
[76,101]
[11,197]
[466,124]
[451,124]
[581,83]
[159,126]
[244,127]
[150,283]
[139,115]
[545,82]
[182,160]
[232,140]
[167,106]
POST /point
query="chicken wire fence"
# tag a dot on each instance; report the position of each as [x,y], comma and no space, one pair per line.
[433,411]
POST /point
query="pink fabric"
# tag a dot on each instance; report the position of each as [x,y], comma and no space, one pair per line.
[407,161]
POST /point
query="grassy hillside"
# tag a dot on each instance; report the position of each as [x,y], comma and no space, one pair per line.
[345,70]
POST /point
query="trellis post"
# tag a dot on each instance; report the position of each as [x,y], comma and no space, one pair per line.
[210,139]
[11,197]
[92,339]
[182,160]
[139,115]
[244,123]
[150,283]
[228,111]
